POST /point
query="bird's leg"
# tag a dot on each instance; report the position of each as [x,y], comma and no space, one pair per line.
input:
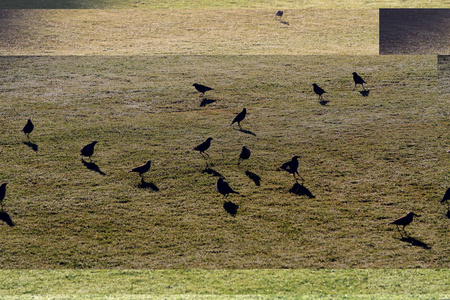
[301,178]
[239,124]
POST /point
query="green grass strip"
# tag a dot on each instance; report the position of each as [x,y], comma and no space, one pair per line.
[225,284]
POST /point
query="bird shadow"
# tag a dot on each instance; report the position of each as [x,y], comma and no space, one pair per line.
[284,22]
[365,93]
[301,190]
[247,132]
[255,178]
[147,185]
[448,214]
[210,171]
[231,208]
[4,216]
[93,167]
[33,146]
[323,102]
[206,101]
[414,242]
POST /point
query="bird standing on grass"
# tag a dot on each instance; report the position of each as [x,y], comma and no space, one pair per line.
[142,168]
[88,150]
[404,221]
[2,193]
[318,90]
[239,117]
[202,88]
[292,167]
[28,128]
[224,188]
[245,154]
[358,80]
[204,146]
[279,14]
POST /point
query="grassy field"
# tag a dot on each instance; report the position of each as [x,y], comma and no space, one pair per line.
[118,77]
[192,31]
[367,161]
[221,284]
[239,4]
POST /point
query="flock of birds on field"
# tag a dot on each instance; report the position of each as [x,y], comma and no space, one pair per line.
[222,186]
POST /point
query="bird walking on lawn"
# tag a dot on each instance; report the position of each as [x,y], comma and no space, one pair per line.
[318,90]
[202,88]
[279,14]
[404,221]
[358,80]
[203,147]
[28,128]
[224,188]
[245,154]
[292,167]
[2,193]
[88,150]
[239,117]
[142,168]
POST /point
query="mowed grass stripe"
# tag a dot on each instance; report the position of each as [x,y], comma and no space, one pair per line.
[225,284]
[190,32]
[367,161]
[208,4]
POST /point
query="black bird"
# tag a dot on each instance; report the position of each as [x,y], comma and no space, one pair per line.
[231,208]
[318,90]
[292,167]
[2,193]
[245,154]
[239,117]
[358,80]
[224,188]
[404,221]
[202,88]
[28,128]
[204,146]
[446,196]
[88,150]
[142,168]
[279,13]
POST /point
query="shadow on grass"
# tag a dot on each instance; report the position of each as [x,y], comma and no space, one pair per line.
[323,102]
[93,167]
[210,171]
[147,185]
[415,242]
[206,101]
[365,93]
[231,208]
[301,190]
[33,146]
[247,132]
[4,216]
[255,178]
[284,22]
[448,214]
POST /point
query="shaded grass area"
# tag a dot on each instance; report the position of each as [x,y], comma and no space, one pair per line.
[202,4]
[192,31]
[221,284]
[367,161]
[415,31]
